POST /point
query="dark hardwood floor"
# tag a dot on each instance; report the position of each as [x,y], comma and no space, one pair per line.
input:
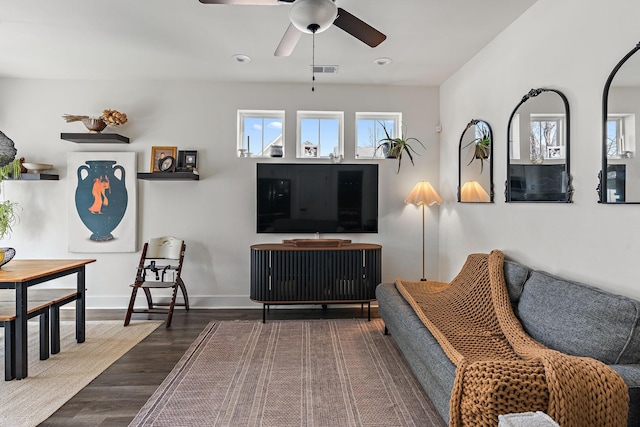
[116,395]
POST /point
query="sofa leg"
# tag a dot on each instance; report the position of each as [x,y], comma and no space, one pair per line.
[386,331]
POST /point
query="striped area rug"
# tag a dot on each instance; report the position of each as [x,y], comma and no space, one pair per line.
[290,373]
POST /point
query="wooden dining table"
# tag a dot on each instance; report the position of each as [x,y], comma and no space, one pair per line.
[20,274]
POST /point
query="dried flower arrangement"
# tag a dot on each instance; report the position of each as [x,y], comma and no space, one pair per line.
[109,117]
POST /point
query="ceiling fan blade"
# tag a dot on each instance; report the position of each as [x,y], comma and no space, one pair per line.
[248,2]
[289,41]
[358,28]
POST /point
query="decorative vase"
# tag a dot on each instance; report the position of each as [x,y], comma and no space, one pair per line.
[7,150]
[6,255]
[101,197]
[94,125]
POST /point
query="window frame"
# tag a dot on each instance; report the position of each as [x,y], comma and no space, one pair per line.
[625,144]
[559,120]
[257,114]
[320,115]
[395,117]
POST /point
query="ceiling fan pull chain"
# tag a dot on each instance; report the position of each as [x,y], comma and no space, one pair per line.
[313,63]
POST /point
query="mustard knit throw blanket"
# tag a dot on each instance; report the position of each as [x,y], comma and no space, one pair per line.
[499,368]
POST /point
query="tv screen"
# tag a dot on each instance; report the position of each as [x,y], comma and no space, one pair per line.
[538,182]
[317,198]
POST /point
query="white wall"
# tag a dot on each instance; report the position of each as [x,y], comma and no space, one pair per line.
[581,42]
[216,215]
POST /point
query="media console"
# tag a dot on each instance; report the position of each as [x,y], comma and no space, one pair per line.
[315,272]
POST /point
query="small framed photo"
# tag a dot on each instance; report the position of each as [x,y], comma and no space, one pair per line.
[163,159]
[556,152]
[310,150]
[187,160]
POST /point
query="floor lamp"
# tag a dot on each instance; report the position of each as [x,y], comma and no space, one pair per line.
[423,194]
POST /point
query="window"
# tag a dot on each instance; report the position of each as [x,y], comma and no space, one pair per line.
[614,136]
[369,132]
[320,134]
[259,131]
[621,136]
[546,140]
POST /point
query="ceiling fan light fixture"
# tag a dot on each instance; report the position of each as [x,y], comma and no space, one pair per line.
[310,15]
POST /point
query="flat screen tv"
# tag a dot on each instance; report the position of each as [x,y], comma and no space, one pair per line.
[317,198]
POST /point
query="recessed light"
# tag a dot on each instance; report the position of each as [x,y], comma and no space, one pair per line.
[241,58]
[382,61]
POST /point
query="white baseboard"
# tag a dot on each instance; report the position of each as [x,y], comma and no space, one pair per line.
[195,301]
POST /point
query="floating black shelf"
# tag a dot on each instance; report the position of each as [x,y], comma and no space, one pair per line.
[95,138]
[37,177]
[169,176]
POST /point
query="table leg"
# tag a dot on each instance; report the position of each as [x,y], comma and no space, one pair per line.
[80,307]
[21,330]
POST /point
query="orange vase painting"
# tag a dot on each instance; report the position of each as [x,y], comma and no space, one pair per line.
[104,197]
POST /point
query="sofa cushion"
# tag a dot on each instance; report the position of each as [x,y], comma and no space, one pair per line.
[580,320]
[433,369]
[515,275]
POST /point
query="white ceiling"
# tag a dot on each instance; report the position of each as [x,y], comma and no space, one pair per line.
[428,40]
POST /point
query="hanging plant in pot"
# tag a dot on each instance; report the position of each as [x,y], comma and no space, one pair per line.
[396,148]
[481,148]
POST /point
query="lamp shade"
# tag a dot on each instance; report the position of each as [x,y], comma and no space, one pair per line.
[472,191]
[305,14]
[423,194]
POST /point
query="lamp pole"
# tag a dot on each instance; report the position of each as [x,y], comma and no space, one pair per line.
[423,279]
[423,194]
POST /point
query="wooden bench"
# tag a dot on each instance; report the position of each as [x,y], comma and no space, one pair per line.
[7,319]
[45,302]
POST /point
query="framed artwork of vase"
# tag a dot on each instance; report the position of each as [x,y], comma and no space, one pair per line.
[102,202]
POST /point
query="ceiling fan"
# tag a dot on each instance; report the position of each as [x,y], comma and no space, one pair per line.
[312,17]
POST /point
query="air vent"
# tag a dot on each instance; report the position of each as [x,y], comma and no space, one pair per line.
[325,69]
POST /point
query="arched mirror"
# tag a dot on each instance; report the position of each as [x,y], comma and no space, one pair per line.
[620,106]
[475,163]
[538,149]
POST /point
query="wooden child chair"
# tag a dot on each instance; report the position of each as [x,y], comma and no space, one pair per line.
[160,267]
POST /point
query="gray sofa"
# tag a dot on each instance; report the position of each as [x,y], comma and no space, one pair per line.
[564,315]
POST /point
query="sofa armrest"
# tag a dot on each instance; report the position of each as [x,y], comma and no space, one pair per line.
[629,373]
[631,376]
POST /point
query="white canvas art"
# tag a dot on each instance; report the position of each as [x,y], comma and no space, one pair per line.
[102,202]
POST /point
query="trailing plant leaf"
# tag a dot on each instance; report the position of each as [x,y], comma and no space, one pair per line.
[8,217]
[8,209]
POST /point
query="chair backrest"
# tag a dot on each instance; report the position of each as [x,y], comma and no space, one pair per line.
[165,247]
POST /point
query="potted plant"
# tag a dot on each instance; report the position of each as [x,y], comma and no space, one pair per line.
[481,148]
[395,148]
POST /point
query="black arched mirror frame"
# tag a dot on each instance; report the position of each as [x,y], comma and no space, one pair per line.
[479,157]
[539,182]
[612,178]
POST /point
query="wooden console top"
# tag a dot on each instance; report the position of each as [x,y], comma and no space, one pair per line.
[315,245]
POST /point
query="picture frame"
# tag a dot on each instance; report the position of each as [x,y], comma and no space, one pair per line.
[102,208]
[309,151]
[158,153]
[187,160]
[555,152]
